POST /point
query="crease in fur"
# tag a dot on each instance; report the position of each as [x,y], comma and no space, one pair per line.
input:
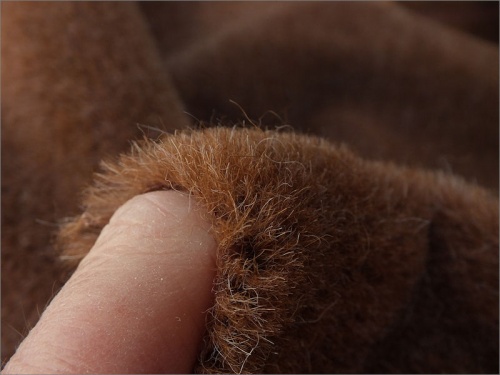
[319,252]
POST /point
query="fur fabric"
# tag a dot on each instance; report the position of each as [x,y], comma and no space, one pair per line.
[367,243]
[323,258]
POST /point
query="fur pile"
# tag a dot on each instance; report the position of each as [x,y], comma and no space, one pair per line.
[325,261]
[379,259]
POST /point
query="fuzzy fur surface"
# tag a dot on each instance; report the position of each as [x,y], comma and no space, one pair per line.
[322,257]
[363,240]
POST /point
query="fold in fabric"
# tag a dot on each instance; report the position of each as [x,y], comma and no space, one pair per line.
[326,262]
[330,260]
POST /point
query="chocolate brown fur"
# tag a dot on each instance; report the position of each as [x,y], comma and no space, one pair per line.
[394,85]
[70,96]
[323,258]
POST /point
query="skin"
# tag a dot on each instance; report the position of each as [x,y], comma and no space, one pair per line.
[137,302]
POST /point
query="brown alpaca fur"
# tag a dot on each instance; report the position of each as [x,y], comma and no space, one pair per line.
[357,264]
[62,111]
[323,257]
[409,82]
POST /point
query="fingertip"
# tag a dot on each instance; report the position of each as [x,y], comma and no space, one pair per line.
[137,302]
